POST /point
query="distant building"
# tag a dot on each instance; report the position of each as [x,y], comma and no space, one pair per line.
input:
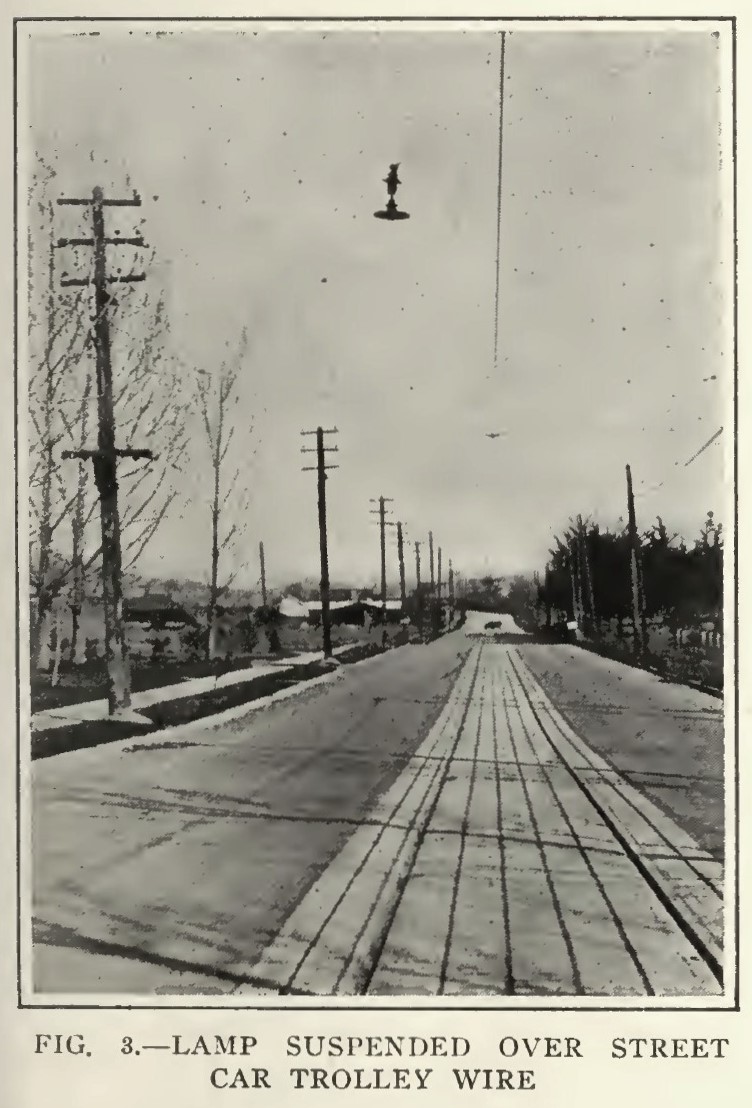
[375,607]
[158,611]
[155,625]
[340,611]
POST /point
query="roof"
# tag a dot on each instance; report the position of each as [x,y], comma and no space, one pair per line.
[391,605]
[292,608]
[315,605]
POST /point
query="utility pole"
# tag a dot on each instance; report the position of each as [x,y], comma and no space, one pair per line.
[438,575]
[588,592]
[383,524]
[638,607]
[320,450]
[106,454]
[576,582]
[263,574]
[430,558]
[401,555]
[418,593]
[451,592]
[547,588]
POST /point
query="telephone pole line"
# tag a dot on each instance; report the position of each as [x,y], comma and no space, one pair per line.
[263,574]
[401,555]
[104,457]
[638,606]
[320,468]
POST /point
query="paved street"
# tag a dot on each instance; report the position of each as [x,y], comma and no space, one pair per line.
[449,819]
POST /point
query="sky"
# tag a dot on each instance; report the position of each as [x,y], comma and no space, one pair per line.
[260,154]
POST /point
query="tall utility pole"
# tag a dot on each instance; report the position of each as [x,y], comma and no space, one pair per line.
[576,581]
[438,575]
[263,573]
[418,596]
[320,468]
[401,555]
[383,524]
[451,592]
[106,454]
[547,588]
[430,558]
[638,606]
[586,574]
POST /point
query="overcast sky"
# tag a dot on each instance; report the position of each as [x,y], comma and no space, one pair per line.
[266,152]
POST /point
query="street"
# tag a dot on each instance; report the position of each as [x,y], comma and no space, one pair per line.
[456,818]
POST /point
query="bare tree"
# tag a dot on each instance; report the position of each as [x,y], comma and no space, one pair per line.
[57,339]
[216,397]
[150,410]
[64,545]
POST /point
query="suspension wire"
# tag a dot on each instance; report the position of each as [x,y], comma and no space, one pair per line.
[654,488]
[498,196]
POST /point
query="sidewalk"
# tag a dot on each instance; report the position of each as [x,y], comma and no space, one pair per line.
[75,726]
[92,710]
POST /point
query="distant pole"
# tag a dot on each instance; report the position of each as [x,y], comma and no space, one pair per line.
[418,596]
[326,625]
[587,577]
[381,513]
[401,554]
[321,468]
[576,586]
[638,608]
[324,550]
[382,521]
[438,575]
[451,591]
[547,588]
[263,574]
[430,558]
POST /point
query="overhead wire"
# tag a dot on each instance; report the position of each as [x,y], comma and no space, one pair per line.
[498,197]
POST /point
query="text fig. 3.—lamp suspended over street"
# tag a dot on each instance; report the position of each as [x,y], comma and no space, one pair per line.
[391,181]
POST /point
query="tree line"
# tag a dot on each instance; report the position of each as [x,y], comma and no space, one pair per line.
[589,579]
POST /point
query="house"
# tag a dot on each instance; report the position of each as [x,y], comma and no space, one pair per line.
[340,611]
[158,611]
[156,626]
[393,609]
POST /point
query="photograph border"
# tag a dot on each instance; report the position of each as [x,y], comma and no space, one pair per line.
[354,1003]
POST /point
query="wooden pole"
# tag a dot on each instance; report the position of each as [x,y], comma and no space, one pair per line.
[418,591]
[587,577]
[263,574]
[638,607]
[401,555]
[430,558]
[324,587]
[105,457]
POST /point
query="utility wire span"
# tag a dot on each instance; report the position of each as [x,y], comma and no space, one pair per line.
[654,488]
[498,196]
[705,446]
